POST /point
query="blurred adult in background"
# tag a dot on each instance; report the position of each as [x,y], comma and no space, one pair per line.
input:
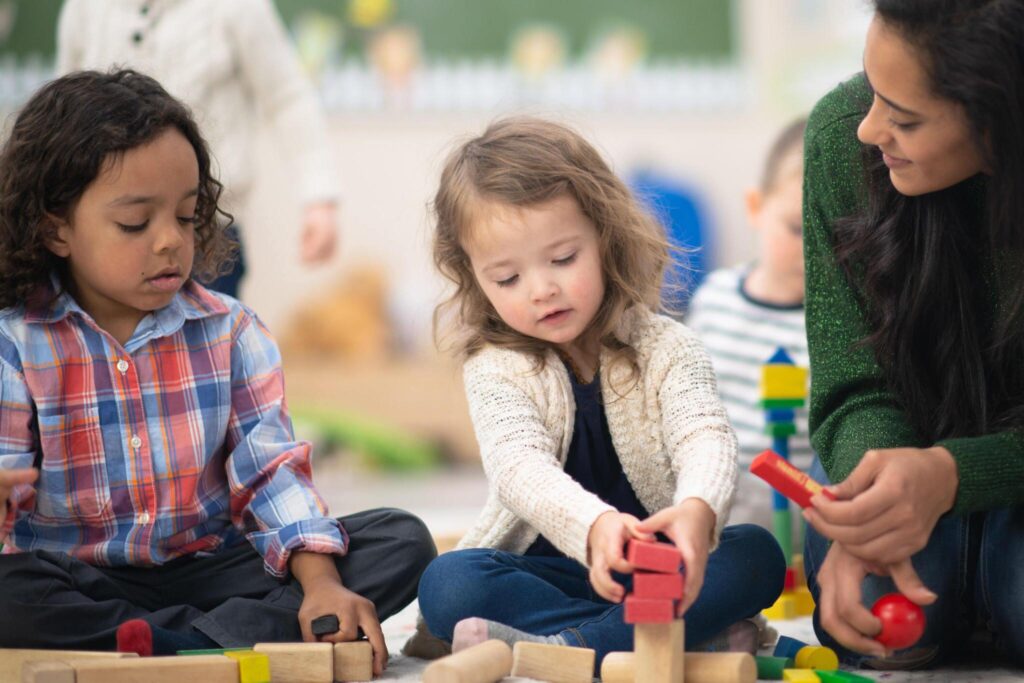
[230,61]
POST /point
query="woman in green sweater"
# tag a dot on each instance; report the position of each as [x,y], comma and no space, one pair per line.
[914,247]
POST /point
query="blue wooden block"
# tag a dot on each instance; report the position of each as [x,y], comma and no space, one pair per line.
[780,415]
[788,647]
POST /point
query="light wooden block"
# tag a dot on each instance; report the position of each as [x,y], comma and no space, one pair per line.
[659,652]
[353,661]
[205,668]
[253,667]
[701,667]
[553,663]
[800,676]
[487,662]
[299,662]
[11,660]
[47,672]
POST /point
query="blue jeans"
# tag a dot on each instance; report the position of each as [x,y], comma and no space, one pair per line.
[973,562]
[552,595]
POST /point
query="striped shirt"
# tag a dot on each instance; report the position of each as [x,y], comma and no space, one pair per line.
[178,443]
[741,334]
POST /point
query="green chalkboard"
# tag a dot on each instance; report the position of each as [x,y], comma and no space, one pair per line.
[473,28]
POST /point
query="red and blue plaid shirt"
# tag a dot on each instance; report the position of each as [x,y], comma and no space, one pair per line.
[175,444]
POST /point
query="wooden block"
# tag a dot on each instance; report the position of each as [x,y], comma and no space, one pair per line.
[205,668]
[651,586]
[11,660]
[654,557]
[771,668]
[253,667]
[842,677]
[553,663]
[659,652]
[213,651]
[784,608]
[786,479]
[788,647]
[804,601]
[47,672]
[353,661]
[776,403]
[790,581]
[797,564]
[640,611]
[800,676]
[487,662]
[701,667]
[299,662]
[817,657]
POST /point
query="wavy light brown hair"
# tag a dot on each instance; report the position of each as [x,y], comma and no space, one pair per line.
[60,143]
[523,162]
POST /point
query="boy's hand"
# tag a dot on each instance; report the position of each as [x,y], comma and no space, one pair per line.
[608,536]
[324,594]
[8,480]
[354,612]
[689,525]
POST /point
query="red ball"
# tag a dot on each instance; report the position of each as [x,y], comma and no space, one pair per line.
[902,621]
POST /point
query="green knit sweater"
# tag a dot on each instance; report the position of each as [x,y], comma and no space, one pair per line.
[851,408]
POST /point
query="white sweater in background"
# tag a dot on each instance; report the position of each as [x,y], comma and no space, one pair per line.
[231,62]
[669,430]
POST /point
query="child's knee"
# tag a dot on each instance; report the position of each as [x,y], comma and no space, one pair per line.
[452,588]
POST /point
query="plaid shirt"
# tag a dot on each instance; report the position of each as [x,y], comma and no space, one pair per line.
[177,443]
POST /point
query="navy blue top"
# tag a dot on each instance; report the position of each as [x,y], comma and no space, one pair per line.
[592,460]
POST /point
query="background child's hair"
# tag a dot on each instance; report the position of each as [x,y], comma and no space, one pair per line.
[788,141]
[60,143]
[524,161]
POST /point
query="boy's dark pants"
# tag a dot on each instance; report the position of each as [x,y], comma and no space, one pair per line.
[49,600]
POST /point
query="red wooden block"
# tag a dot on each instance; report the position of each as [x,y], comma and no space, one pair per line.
[649,586]
[786,479]
[790,583]
[641,611]
[654,557]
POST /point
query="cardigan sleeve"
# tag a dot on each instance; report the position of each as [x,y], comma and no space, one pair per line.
[852,410]
[522,458]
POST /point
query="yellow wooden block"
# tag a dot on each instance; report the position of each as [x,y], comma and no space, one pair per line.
[804,601]
[783,381]
[800,676]
[253,667]
[784,608]
[817,657]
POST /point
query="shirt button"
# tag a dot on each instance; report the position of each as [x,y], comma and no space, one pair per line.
[136,442]
[122,366]
[144,518]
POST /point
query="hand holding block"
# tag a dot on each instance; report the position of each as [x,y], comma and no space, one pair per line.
[353,661]
[641,611]
[553,663]
[786,479]
[299,662]
[650,586]
[325,625]
[487,662]
[654,557]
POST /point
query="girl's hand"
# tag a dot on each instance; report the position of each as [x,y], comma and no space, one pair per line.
[690,525]
[887,508]
[326,596]
[10,479]
[608,536]
[839,603]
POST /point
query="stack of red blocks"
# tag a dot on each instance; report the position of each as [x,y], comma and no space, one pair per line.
[657,583]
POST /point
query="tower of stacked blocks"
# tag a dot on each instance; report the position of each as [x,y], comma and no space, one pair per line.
[783,390]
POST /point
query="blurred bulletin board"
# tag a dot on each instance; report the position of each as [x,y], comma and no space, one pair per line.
[693,29]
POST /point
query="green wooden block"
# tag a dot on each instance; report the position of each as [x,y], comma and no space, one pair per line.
[213,651]
[771,668]
[779,429]
[781,402]
[784,533]
[842,677]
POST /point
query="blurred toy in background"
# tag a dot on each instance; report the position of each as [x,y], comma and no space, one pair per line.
[537,50]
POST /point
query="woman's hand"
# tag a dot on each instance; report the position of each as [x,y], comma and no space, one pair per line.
[839,602]
[887,508]
[10,479]
[689,525]
[608,536]
[324,594]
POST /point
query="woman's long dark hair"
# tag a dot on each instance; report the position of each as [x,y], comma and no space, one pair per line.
[943,293]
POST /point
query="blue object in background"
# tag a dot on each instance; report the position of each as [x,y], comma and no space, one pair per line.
[681,209]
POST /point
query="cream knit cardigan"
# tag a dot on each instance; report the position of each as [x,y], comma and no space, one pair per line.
[669,430]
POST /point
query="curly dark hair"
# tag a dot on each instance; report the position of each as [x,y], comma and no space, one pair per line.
[925,265]
[58,146]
